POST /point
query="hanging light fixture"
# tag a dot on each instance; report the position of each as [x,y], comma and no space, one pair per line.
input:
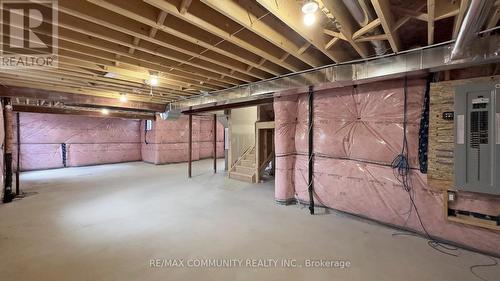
[123,97]
[153,80]
[310,7]
[309,19]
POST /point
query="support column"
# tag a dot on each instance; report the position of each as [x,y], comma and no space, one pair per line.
[18,123]
[310,154]
[9,135]
[190,144]
[215,143]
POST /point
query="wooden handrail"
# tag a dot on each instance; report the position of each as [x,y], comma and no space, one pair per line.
[247,151]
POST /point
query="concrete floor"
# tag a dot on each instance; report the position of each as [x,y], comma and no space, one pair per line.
[108,222]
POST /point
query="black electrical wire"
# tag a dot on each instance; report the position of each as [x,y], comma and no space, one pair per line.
[402,172]
[495,263]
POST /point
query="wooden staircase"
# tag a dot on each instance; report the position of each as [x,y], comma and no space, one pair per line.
[244,168]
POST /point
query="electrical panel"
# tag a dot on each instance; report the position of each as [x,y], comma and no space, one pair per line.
[149,125]
[477,138]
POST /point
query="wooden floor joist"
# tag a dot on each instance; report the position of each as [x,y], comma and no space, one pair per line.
[107,48]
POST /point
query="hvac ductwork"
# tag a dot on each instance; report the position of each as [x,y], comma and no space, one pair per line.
[472,23]
[170,113]
[363,14]
[428,59]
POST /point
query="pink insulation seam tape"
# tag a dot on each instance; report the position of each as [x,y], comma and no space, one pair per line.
[168,141]
[89,140]
[357,133]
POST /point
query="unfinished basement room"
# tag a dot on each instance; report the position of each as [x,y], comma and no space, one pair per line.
[351,140]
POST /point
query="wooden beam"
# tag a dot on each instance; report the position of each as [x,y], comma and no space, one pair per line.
[105,51]
[446,9]
[83,112]
[378,37]
[382,8]
[171,38]
[431,10]
[412,13]
[447,14]
[184,6]
[209,27]
[404,19]
[240,13]
[331,42]
[64,87]
[154,50]
[494,18]
[464,5]
[229,106]
[152,31]
[347,25]
[367,28]
[65,97]
[289,13]
[334,34]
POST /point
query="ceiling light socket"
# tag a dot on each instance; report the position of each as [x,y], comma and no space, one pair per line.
[310,7]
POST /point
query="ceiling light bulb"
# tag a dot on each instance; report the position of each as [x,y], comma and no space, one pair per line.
[310,7]
[309,19]
[153,80]
[123,98]
[105,111]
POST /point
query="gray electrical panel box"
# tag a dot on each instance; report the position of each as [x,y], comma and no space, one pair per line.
[477,138]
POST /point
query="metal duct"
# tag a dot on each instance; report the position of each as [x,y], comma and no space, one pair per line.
[433,58]
[473,21]
[363,15]
[170,114]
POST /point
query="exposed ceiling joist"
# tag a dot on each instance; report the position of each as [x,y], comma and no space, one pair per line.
[417,6]
[289,12]
[431,11]
[198,22]
[245,18]
[184,6]
[199,48]
[367,28]
[382,9]
[347,25]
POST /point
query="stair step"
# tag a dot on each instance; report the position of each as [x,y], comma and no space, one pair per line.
[247,163]
[241,177]
[245,170]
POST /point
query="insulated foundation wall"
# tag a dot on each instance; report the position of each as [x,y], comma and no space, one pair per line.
[88,141]
[358,131]
[167,142]
[2,140]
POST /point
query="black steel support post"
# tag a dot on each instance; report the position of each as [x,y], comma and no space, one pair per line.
[215,143]
[190,144]
[8,195]
[18,191]
[310,153]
